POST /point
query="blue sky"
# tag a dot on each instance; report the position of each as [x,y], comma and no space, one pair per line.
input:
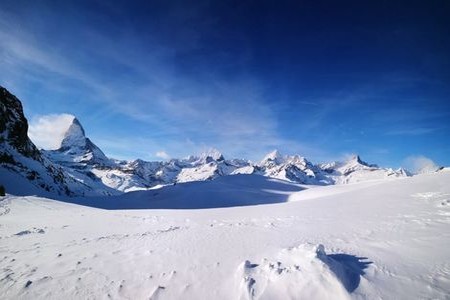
[170,78]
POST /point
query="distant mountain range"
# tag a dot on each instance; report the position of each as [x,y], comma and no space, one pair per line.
[80,168]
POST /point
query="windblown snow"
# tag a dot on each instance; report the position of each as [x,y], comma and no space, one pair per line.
[370,240]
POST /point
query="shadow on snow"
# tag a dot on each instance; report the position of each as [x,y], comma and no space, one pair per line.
[352,269]
[226,191]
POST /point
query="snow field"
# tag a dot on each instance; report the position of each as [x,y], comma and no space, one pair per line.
[381,240]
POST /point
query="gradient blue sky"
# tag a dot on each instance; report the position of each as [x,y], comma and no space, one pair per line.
[319,78]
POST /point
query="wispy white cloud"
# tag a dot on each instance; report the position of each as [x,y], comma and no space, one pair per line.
[412,131]
[162,154]
[48,131]
[420,164]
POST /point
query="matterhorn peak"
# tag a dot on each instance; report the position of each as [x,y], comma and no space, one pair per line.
[355,159]
[74,136]
[80,148]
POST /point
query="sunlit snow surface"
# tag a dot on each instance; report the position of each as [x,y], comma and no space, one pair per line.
[372,240]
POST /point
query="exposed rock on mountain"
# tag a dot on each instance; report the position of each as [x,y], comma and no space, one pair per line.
[14,126]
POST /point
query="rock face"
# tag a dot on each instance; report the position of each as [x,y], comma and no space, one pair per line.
[14,126]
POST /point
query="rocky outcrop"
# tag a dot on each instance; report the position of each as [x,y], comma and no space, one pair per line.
[14,126]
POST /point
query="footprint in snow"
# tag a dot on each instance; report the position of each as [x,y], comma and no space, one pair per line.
[157,293]
[300,272]
[35,230]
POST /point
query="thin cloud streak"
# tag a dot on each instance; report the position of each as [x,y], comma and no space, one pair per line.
[412,131]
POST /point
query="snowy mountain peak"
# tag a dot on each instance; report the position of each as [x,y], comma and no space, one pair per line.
[291,167]
[74,136]
[76,147]
[355,158]
[403,172]
[274,156]
[297,159]
[212,154]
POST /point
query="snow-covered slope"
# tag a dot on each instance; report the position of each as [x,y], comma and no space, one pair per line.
[356,170]
[385,239]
